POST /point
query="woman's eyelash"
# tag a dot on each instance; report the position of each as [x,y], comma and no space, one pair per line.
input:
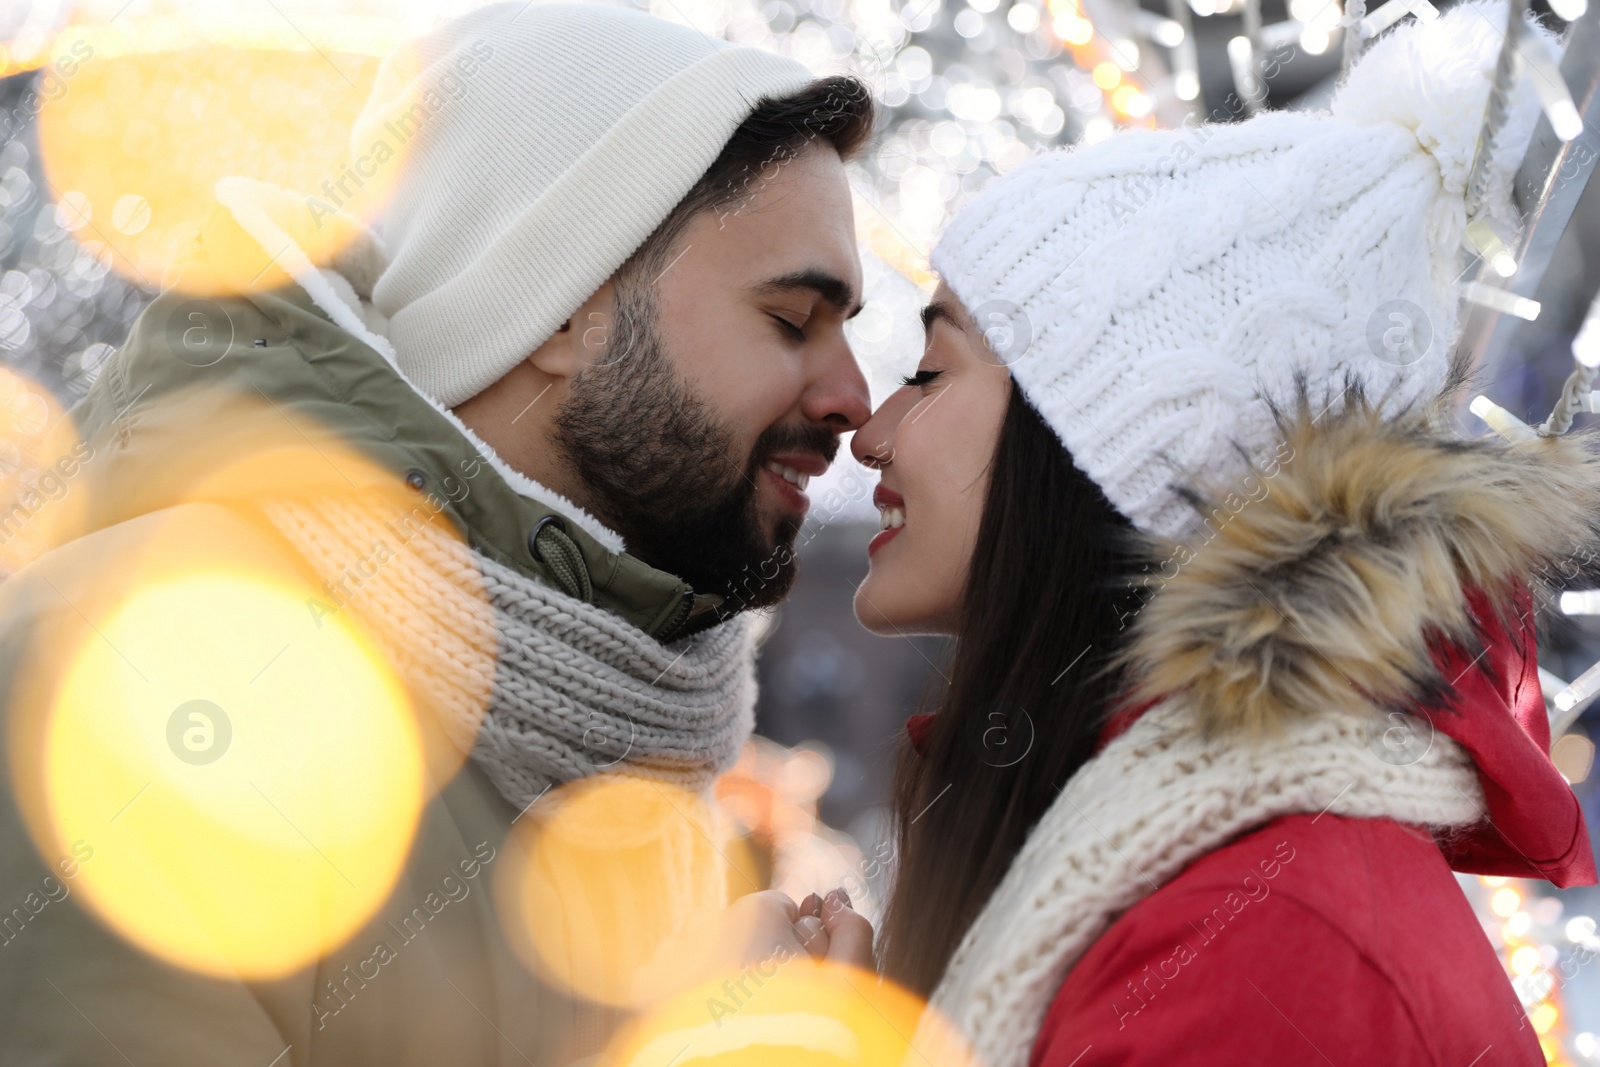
[922,377]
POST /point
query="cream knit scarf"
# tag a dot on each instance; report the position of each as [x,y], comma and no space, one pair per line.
[538,687]
[1156,798]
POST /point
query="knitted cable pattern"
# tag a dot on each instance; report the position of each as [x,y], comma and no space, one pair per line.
[538,687]
[1156,798]
[1162,290]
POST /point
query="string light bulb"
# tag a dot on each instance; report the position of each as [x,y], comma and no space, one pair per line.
[1586,345]
[1506,303]
[1392,12]
[1586,602]
[1554,96]
[1489,245]
[1581,690]
[1501,421]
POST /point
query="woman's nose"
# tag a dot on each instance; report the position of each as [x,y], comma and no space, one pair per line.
[873,444]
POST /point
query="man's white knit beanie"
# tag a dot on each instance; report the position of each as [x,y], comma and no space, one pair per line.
[1153,292]
[542,143]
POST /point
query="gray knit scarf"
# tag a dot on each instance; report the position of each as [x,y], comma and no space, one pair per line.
[538,687]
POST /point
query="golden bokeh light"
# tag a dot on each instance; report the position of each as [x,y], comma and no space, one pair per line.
[387,558]
[1524,959]
[614,888]
[1107,75]
[1073,28]
[389,561]
[250,780]
[1505,901]
[234,697]
[134,143]
[789,1012]
[42,459]
[1128,100]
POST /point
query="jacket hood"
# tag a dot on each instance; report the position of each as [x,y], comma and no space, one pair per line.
[1384,565]
[250,358]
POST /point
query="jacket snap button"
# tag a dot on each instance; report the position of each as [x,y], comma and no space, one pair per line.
[416,479]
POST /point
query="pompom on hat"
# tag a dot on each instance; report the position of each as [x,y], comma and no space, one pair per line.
[1160,291]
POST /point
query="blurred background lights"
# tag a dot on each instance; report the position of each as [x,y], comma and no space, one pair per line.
[1524,960]
[1167,32]
[161,126]
[1505,901]
[612,888]
[1073,28]
[259,859]
[1024,18]
[138,108]
[249,771]
[968,23]
[1543,1016]
[41,456]
[790,1013]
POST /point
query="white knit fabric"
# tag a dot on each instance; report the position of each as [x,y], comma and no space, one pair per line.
[1156,798]
[528,181]
[538,687]
[1159,286]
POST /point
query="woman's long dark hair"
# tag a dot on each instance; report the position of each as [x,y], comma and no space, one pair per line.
[1029,685]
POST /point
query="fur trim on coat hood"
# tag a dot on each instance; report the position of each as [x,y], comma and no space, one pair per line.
[1383,565]
[1326,583]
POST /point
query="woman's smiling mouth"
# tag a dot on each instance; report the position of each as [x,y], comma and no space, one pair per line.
[891,514]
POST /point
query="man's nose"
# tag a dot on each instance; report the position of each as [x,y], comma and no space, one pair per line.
[838,395]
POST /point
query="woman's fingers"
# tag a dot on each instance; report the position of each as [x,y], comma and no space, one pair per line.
[824,928]
[813,935]
[849,932]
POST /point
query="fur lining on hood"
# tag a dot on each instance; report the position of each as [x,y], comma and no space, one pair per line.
[1322,583]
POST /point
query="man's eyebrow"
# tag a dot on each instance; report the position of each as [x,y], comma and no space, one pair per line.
[830,287]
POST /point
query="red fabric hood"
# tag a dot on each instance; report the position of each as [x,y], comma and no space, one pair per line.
[1534,826]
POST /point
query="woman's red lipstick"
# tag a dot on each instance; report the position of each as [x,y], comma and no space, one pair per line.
[886,498]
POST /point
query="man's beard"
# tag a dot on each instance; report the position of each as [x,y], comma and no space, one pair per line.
[659,468]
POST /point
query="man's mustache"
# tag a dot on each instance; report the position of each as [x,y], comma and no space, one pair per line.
[784,440]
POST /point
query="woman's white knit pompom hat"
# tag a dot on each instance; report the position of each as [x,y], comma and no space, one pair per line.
[542,144]
[1161,287]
